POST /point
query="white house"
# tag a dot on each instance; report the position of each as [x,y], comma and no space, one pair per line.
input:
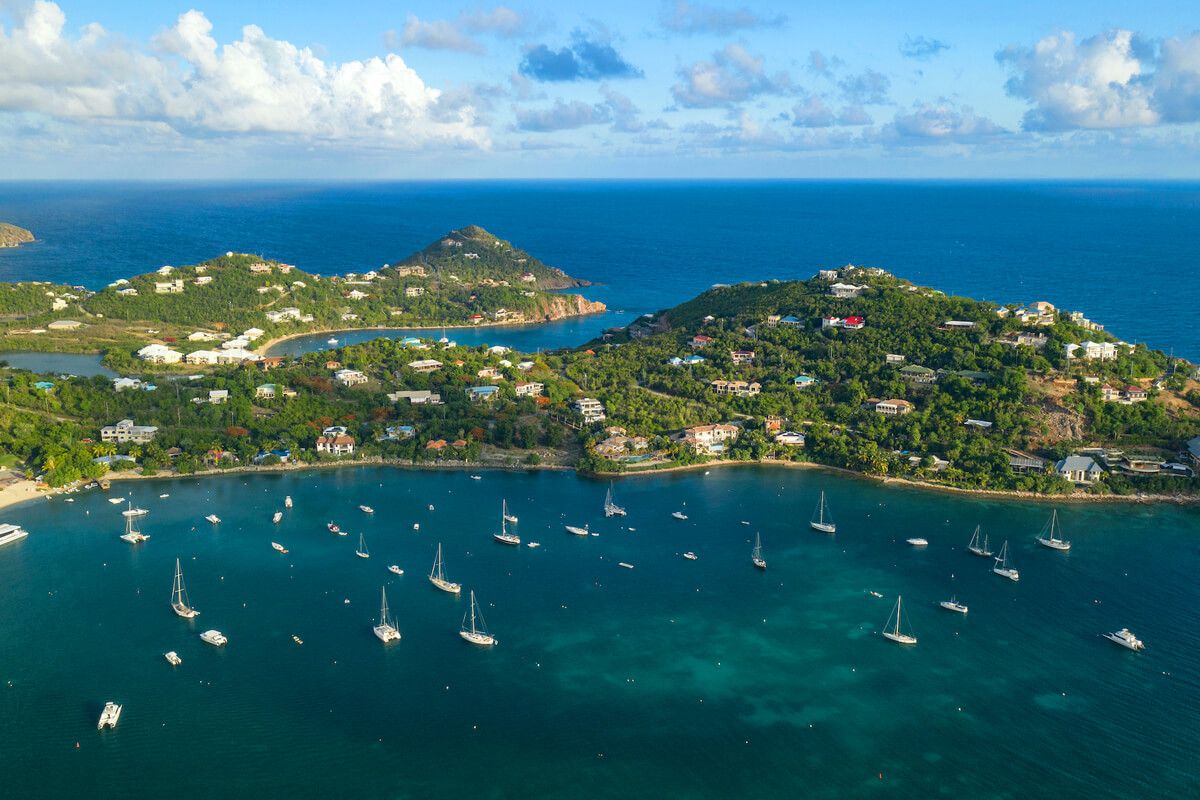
[846,290]
[790,438]
[529,388]
[126,431]
[417,397]
[425,365]
[893,408]
[169,287]
[218,396]
[349,377]
[202,357]
[590,408]
[202,336]
[1103,351]
[250,334]
[159,354]
[1079,469]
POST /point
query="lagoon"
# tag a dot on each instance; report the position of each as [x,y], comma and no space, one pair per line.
[676,678]
[81,364]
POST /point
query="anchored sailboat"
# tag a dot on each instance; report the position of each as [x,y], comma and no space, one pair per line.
[975,548]
[1001,566]
[756,554]
[179,598]
[476,632]
[438,577]
[132,534]
[822,520]
[386,629]
[611,509]
[1051,535]
[892,632]
[362,552]
[504,537]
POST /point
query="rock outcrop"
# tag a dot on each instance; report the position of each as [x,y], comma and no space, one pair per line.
[11,235]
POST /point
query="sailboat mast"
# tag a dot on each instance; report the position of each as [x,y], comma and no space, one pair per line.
[472,611]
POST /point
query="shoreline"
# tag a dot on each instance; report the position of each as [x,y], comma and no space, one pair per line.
[26,491]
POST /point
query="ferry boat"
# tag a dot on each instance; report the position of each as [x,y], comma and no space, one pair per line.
[611,509]
[893,632]
[476,632]
[362,552]
[109,716]
[214,637]
[213,518]
[179,598]
[173,658]
[756,557]
[386,629]
[287,501]
[1125,638]
[1001,566]
[953,605]
[366,509]
[437,575]
[977,549]
[276,517]
[577,530]
[395,569]
[504,537]
[917,541]
[278,547]
[690,556]
[10,533]
[678,515]
[1051,535]
[821,520]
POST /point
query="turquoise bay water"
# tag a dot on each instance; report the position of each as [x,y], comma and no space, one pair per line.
[676,678]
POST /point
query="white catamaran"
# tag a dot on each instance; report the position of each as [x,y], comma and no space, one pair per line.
[1001,566]
[437,575]
[132,534]
[611,509]
[977,549]
[504,537]
[179,598]
[476,631]
[362,551]
[1051,535]
[386,629]
[756,554]
[892,632]
[822,520]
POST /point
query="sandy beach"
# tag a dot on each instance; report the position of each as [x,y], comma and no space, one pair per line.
[18,493]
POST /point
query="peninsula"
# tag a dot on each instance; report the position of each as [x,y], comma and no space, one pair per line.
[853,369]
[12,236]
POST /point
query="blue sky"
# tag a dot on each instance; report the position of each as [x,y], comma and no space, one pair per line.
[599,90]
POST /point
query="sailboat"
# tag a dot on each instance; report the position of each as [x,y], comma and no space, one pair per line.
[504,537]
[578,531]
[975,548]
[179,598]
[361,552]
[132,534]
[438,578]
[1051,535]
[1001,566]
[386,629]
[476,632]
[756,554]
[822,520]
[893,631]
[611,509]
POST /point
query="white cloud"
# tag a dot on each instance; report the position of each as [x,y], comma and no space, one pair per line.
[436,35]
[732,76]
[943,121]
[195,86]
[499,21]
[688,19]
[561,116]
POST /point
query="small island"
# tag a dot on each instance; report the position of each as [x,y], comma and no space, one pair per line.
[12,236]
[853,369]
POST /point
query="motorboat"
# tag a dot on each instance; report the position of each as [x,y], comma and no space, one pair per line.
[215,638]
[213,518]
[678,515]
[11,533]
[287,501]
[109,716]
[331,341]
[953,605]
[173,658]
[1125,638]
[276,517]
[917,541]
[278,547]
[366,509]
[395,569]
[690,556]
[333,527]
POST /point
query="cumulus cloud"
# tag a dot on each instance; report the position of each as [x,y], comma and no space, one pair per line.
[192,85]
[694,18]
[813,112]
[921,47]
[732,75]
[866,88]
[1117,79]
[943,121]
[586,58]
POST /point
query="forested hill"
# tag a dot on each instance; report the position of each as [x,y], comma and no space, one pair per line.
[472,254]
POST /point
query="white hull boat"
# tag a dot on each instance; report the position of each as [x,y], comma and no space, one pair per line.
[278,547]
[821,520]
[953,605]
[1051,535]
[366,509]
[437,575]
[977,549]
[276,517]
[918,542]
[213,518]
[109,716]
[173,658]
[362,552]
[476,631]
[678,515]
[577,530]
[215,638]
[756,557]
[386,630]
[1126,639]
[1002,568]
[179,599]
[893,632]
[505,536]
[395,569]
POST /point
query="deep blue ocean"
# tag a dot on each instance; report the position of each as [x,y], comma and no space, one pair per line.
[1125,253]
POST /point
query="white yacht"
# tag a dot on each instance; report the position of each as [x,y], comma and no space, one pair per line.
[1125,638]
[395,569]
[690,556]
[179,598]
[276,517]
[287,501]
[331,341]
[679,515]
[386,629]
[822,520]
[917,541]
[116,501]
[214,637]
[173,658]
[134,512]
[504,536]
[476,477]
[953,605]
[756,557]
[1001,566]
[977,549]
[213,518]
[1051,535]
[362,551]
[366,509]
[437,575]
[476,632]
[11,533]
[611,509]
[893,632]
[277,547]
[109,716]
[577,530]
[511,519]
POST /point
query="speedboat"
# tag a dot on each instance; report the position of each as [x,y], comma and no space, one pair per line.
[476,477]
[1125,638]
[416,526]
[678,515]
[395,569]
[534,544]
[331,341]
[213,518]
[278,547]
[690,556]
[917,541]
[577,530]
[953,605]
[214,637]
[333,528]
[366,509]
[109,716]
[173,658]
